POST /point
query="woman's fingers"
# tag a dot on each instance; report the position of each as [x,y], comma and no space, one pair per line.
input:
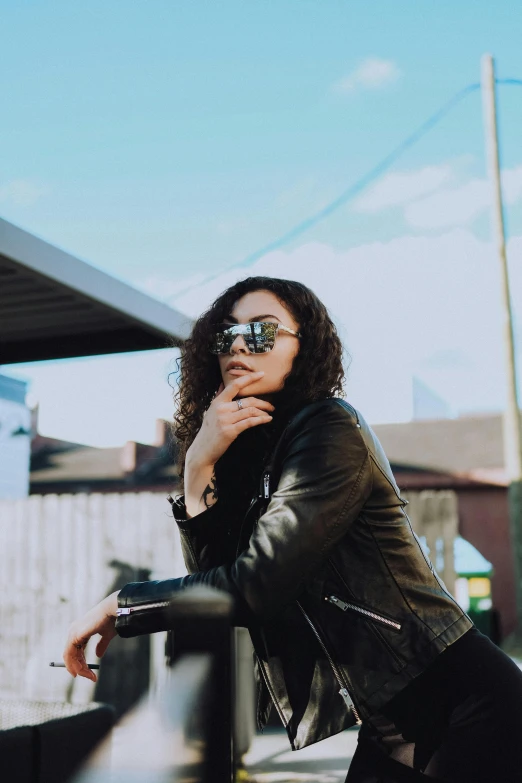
[251,421]
[74,656]
[219,426]
[250,412]
[230,391]
[104,642]
[84,671]
[99,620]
[248,402]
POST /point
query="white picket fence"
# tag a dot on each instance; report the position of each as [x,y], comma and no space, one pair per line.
[54,565]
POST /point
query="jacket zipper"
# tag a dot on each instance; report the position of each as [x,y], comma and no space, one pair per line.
[266,485]
[343,690]
[264,494]
[344,606]
[140,608]
[249,509]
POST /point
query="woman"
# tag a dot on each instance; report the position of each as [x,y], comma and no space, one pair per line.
[290,506]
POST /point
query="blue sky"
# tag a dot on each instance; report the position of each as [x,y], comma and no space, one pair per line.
[165,142]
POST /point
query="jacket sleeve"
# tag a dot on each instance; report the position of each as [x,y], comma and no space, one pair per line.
[202,536]
[325,480]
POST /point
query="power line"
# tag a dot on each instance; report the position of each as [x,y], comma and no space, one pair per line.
[354,190]
[517,82]
[362,183]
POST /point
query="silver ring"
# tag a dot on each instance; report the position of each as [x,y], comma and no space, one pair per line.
[239,405]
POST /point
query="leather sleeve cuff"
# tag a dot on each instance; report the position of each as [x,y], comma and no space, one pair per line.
[143,601]
[145,605]
[192,524]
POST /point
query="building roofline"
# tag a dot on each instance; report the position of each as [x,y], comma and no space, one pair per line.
[148,322]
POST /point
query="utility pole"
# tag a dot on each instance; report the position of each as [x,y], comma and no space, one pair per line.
[512,419]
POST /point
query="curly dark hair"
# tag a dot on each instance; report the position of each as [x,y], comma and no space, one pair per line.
[317,370]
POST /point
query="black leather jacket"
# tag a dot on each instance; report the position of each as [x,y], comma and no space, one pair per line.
[343,607]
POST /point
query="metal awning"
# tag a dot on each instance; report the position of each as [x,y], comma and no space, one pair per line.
[54,306]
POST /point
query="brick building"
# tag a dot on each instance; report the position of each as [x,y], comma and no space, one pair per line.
[60,467]
[466,455]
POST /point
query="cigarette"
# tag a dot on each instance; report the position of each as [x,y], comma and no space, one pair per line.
[62,665]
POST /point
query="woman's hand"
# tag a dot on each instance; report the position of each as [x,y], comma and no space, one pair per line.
[98,620]
[224,421]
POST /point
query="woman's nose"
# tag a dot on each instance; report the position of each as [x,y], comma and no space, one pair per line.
[239,344]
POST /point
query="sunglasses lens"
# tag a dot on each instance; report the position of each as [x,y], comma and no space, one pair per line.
[261,337]
[258,336]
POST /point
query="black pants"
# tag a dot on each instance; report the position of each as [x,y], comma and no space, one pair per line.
[458,722]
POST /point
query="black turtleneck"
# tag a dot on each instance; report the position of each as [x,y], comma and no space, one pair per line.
[238,471]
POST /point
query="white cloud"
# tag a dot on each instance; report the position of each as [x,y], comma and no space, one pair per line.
[450,206]
[21,192]
[458,206]
[399,305]
[402,187]
[371,74]
[425,306]
[512,184]
[433,197]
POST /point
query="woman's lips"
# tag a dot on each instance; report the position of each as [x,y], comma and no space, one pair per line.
[238,372]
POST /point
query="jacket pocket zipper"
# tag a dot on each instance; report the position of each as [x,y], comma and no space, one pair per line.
[343,690]
[123,610]
[344,606]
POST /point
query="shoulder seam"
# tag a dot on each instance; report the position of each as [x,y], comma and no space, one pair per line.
[385,476]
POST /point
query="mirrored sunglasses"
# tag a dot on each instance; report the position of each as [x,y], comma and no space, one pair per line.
[259,336]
